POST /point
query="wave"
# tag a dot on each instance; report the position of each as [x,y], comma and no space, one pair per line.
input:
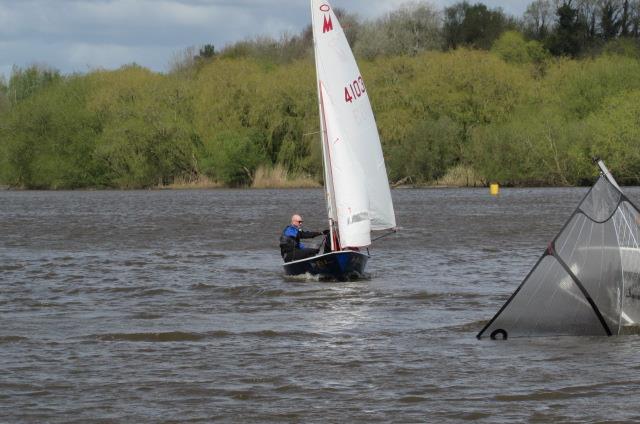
[284,334]
[187,336]
[146,315]
[421,295]
[12,339]
[170,336]
[14,267]
[570,392]
[139,291]
[253,291]
[470,327]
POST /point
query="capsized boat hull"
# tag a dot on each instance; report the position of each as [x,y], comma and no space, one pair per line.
[342,265]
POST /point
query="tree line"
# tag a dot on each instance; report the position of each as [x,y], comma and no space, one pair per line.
[468,87]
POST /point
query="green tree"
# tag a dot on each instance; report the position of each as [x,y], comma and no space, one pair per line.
[207,51]
[613,134]
[26,82]
[474,26]
[512,47]
[568,37]
[50,137]
[147,135]
[233,157]
[427,152]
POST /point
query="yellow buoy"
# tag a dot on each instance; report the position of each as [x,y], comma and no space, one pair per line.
[494,189]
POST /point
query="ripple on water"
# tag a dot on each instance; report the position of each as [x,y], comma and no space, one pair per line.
[204,286]
[293,335]
[161,337]
[12,267]
[146,315]
[252,291]
[12,339]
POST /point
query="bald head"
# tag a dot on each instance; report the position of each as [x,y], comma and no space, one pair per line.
[296,221]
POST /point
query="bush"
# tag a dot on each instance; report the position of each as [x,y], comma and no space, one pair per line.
[426,154]
[233,158]
[513,48]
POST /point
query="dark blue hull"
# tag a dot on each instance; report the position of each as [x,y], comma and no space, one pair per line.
[343,265]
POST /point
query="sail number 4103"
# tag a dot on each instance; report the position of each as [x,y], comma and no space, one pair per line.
[354,90]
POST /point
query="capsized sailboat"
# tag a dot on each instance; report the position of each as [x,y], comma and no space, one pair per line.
[587,281]
[356,183]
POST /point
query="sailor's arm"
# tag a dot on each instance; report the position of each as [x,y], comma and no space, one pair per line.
[309,234]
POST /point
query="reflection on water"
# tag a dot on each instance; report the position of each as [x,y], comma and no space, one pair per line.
[153,306]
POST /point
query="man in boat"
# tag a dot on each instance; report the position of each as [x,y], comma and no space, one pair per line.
[290,247]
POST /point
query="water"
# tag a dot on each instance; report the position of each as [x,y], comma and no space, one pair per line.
[171,306]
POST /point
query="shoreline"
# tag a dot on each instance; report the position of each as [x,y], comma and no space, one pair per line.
[179,187]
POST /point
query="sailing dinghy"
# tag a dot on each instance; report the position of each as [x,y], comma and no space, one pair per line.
[356,185]
[587,282]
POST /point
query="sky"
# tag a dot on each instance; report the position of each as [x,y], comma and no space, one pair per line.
[81,35]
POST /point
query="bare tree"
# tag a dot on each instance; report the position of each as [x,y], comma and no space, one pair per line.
[634,18]
[610,18]
[183,61]
[624,20]
[589,15]
[538,18]
[411,29]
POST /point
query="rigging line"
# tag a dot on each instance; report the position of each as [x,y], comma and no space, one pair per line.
[555,254]
[393,231]
[582,211]
[586,294]
[311,133]
[548,269]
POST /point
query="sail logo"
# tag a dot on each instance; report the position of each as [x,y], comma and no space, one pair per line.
[327,25]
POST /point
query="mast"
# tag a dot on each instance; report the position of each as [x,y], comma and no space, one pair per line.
[328,177]
[605,172]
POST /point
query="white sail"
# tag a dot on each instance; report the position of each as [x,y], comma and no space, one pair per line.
[345,99]
[351,200]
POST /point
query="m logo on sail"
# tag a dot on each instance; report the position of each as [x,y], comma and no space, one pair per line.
[328,24]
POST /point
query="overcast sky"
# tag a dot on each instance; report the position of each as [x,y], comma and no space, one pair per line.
[80,35]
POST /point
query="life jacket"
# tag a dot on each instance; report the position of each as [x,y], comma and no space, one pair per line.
[288,243]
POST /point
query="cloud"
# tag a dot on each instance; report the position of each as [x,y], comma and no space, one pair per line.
[76,35]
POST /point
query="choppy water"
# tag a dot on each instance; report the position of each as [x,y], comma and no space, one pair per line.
[170,306]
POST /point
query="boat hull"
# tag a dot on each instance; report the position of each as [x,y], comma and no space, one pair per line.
[343,265]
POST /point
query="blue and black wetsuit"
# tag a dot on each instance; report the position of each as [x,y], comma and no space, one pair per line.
[290,247]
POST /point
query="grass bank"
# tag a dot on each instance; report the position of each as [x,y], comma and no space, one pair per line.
[278,177]
[199,182]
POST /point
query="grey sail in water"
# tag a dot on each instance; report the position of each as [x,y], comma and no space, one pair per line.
[587,282]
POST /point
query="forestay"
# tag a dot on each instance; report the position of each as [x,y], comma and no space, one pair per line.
[587,282]
[351,145]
